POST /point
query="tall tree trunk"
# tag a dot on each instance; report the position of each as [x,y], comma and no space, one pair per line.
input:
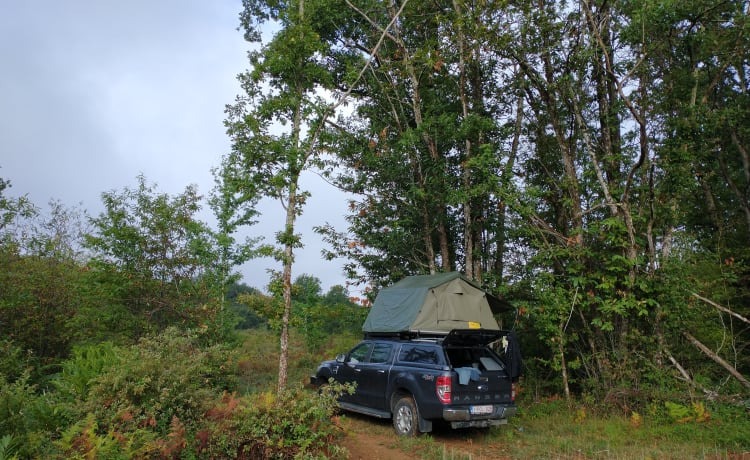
[574,228]
[743,196]
[291,210]
[439,214]
[289,238]
[469,242]
[287,280]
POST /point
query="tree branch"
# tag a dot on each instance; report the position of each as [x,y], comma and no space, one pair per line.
[707,351]
[724,309]
[686,376]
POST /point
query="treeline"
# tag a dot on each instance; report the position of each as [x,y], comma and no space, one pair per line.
[589,161]
[119,336]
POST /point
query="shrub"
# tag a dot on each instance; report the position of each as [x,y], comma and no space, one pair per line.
[84,367]
[84,440]
[27,418]
[294,425]
[151,402]
[13,361]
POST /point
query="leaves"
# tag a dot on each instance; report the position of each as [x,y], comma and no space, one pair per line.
[161,262]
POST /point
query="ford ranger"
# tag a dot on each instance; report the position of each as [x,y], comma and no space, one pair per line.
[458,378]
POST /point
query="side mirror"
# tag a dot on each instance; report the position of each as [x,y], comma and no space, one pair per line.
[340,358]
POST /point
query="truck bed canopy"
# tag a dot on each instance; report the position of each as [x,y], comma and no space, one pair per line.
[433,304]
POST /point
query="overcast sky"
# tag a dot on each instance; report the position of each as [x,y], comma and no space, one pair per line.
[96,92]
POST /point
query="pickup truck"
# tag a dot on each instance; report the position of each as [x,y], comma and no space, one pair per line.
[457,378]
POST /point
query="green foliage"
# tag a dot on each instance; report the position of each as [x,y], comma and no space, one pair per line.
[321,317]
[37,302]
[159,378]
[159,263]
[28,417]
[247,317]
[10,209]
[269,308]
[84,440]
[258,356]
[567,429]
[594,165]
[8,447]
[275,126]
[696,412]
[320,321]
[552,177]
[13,360]
[147,399]
[296,424]
[82,369]
[316,316]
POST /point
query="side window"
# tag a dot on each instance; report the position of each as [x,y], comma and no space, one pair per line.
[381,352]
[419,354]
[360,353]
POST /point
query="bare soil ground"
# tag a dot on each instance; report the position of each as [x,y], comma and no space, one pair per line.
[373,439]
[363,446]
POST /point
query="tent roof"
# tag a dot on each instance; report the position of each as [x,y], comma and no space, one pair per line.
[397,306]
[419,282]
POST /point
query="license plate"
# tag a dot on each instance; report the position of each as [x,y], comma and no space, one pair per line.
[481,410]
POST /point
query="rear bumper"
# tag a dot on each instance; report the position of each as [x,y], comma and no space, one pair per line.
[461,417]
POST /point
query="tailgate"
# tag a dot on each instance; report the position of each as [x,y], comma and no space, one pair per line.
[472,386]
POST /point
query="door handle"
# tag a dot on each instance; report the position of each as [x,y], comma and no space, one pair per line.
[381,371]
[356,369]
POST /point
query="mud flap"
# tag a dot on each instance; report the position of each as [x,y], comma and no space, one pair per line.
[425,426]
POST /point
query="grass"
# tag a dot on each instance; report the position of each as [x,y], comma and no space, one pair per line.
[565,433]
[259,358]
[556,430]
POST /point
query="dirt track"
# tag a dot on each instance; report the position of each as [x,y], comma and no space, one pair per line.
[373,439]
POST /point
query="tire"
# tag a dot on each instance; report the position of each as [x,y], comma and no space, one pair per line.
[406,417]
[323,384]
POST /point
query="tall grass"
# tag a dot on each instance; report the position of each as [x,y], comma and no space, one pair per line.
[259,358]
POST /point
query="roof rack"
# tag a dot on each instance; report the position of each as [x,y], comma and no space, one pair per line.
[407,335]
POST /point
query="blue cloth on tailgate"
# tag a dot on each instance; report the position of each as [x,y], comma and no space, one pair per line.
[467,373]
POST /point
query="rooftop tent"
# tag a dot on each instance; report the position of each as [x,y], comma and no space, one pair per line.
[433,303]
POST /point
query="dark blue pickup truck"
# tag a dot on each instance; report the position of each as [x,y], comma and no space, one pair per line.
[459,378]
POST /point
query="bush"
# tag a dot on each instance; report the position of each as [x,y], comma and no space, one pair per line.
[81,371]
[27,418]
[151,401]
[297,424]
[13,361]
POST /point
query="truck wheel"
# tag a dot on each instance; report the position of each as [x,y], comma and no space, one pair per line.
[406,417]
[323,384]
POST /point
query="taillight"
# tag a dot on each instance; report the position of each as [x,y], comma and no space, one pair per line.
[512,391]
[444,388]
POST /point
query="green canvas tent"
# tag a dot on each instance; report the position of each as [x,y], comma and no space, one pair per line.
[433,304]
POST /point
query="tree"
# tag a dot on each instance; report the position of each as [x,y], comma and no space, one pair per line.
[589,155]
[423,151]
[584,142]
[11,208]
[273,126]
[41,278]
[248,319]
[158,260]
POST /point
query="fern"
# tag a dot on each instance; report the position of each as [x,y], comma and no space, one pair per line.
[8,447]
